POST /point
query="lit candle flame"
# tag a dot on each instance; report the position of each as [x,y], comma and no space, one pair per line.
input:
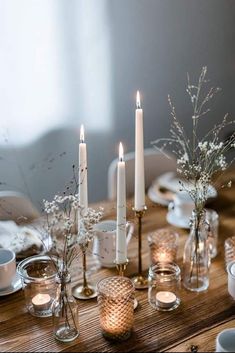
[138,104]
[82,133]
[120,152]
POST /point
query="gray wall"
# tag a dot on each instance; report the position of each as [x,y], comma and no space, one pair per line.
[153,44]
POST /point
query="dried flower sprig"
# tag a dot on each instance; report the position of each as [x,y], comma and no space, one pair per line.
[86,226]
[198,160]
[61,215]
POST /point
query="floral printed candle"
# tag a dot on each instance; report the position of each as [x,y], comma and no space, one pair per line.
[163,246]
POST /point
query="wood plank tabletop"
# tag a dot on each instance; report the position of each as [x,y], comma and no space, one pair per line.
[191,327]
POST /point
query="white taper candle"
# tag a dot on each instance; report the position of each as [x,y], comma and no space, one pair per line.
[139,157]
[82,190]
[121,246]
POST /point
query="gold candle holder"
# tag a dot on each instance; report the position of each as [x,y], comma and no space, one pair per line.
[140,281]
[116,309]
[121,268]
[84,291]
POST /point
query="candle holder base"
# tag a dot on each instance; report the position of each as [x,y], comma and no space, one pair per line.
[84,293]
[117,337]
[140,282]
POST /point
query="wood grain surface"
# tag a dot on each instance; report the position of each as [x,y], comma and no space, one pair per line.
[192,327]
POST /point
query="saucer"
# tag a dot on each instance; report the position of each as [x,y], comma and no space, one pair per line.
[16,285]
[177,221]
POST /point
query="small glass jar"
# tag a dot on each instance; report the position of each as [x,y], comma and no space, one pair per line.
[38,275]
[164,285]
[229,249]
[212,218]
[163,245]
[116,307]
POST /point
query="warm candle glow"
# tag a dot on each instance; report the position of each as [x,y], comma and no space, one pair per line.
[41,302]
[121,152]
[138,104]
[82,133]
[166,299]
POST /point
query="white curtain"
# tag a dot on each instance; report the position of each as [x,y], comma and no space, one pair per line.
[54,67]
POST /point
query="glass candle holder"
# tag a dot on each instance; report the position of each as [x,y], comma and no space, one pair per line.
[116,307]
[163,245]
[229,249]
[164,286]
[231,278]
[38,280]
[212,218]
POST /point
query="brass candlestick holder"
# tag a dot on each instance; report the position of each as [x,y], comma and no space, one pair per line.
[121,268]
[84,291]
[140,281]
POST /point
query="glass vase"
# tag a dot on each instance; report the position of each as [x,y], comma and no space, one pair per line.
[196,254]
[65,311]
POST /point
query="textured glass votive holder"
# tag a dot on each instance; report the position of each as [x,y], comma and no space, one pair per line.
[116,307]
[38,279]
[163,245]
[164,286]
[229,250]
[212,218]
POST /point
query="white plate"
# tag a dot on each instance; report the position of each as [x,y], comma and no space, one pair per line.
[177,221]
[14,287]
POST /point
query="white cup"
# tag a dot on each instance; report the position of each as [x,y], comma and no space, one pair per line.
[225,341]
[7,268]
[104,246]
[182,205]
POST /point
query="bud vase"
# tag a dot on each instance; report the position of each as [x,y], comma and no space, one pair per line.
[196,254]
[65,311]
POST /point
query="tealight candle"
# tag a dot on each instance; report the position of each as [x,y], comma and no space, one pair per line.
[164,284]
[166,299]
[41,302]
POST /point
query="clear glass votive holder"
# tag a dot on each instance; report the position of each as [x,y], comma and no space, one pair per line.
[163,245]
[229,249]
[231,278]
[164,286]
[212,218]
[38,275]
[116,307]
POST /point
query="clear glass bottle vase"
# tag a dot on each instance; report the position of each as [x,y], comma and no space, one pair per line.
[65,311]
[196,254]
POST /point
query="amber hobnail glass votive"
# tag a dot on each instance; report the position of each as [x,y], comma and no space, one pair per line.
[116,307]
[163,245]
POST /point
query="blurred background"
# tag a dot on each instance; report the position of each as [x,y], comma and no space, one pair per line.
[63,63]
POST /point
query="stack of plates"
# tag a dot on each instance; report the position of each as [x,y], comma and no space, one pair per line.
[163,191]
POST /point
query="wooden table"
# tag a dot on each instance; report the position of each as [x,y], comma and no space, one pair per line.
[193,326]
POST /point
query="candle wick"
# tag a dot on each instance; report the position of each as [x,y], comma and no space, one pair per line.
[138,106]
